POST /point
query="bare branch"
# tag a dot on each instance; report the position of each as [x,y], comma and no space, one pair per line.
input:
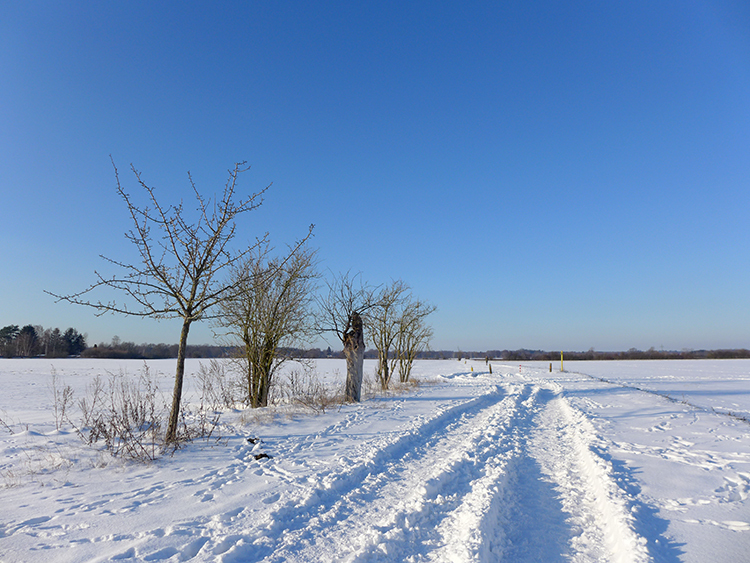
[181,260]
[270,310]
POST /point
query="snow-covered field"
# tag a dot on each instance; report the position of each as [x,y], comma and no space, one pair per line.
[607,461]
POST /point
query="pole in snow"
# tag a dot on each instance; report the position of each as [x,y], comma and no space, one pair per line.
[561,361]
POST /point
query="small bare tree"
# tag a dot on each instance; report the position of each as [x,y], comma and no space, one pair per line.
[340,312]
[270,310]
[384,320]
[413,335]
[180,270]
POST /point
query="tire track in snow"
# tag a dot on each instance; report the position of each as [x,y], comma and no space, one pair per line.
[738,416]
[562,442]
[506,476]
[444,494]
[542,495]
[495,518]
[331,500]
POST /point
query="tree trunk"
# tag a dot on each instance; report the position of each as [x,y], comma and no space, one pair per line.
[267,356]
[174,414]
[354,349]
[385,378]
[264,388]
[252,395]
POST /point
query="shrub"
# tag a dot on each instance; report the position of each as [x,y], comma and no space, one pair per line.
[303,387]
[128,416]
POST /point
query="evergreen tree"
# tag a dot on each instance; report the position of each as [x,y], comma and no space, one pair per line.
[8,335]
[75,342]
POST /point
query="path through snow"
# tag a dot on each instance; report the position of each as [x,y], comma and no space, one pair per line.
[474,467]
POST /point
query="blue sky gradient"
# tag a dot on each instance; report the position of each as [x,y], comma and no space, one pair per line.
[549,174]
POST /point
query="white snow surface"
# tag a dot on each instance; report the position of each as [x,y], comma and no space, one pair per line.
[608,461]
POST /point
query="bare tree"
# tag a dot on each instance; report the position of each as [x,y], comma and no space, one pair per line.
[384,322]
[179,273]
[340,312]
[413,336]
[270,310]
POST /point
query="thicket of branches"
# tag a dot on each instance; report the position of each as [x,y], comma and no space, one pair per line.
[399,330]
[340,311]
[189,268]
[182,263]
[269,312]
[390,316]
[126,416]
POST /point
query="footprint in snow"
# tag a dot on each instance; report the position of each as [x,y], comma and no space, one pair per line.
[128,554]
[230,515]
[272,498]
[192,549]
[736,488]
[162,554]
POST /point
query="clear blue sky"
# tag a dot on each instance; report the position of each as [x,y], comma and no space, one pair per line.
[549,174]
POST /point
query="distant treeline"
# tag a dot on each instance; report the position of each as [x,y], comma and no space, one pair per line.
[369,354]
[35,340]
[632,354]
[132,351]
[31,341]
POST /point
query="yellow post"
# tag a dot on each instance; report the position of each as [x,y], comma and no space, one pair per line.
[561,361]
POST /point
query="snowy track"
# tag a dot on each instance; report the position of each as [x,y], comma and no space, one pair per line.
[513,466]
[456,488]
